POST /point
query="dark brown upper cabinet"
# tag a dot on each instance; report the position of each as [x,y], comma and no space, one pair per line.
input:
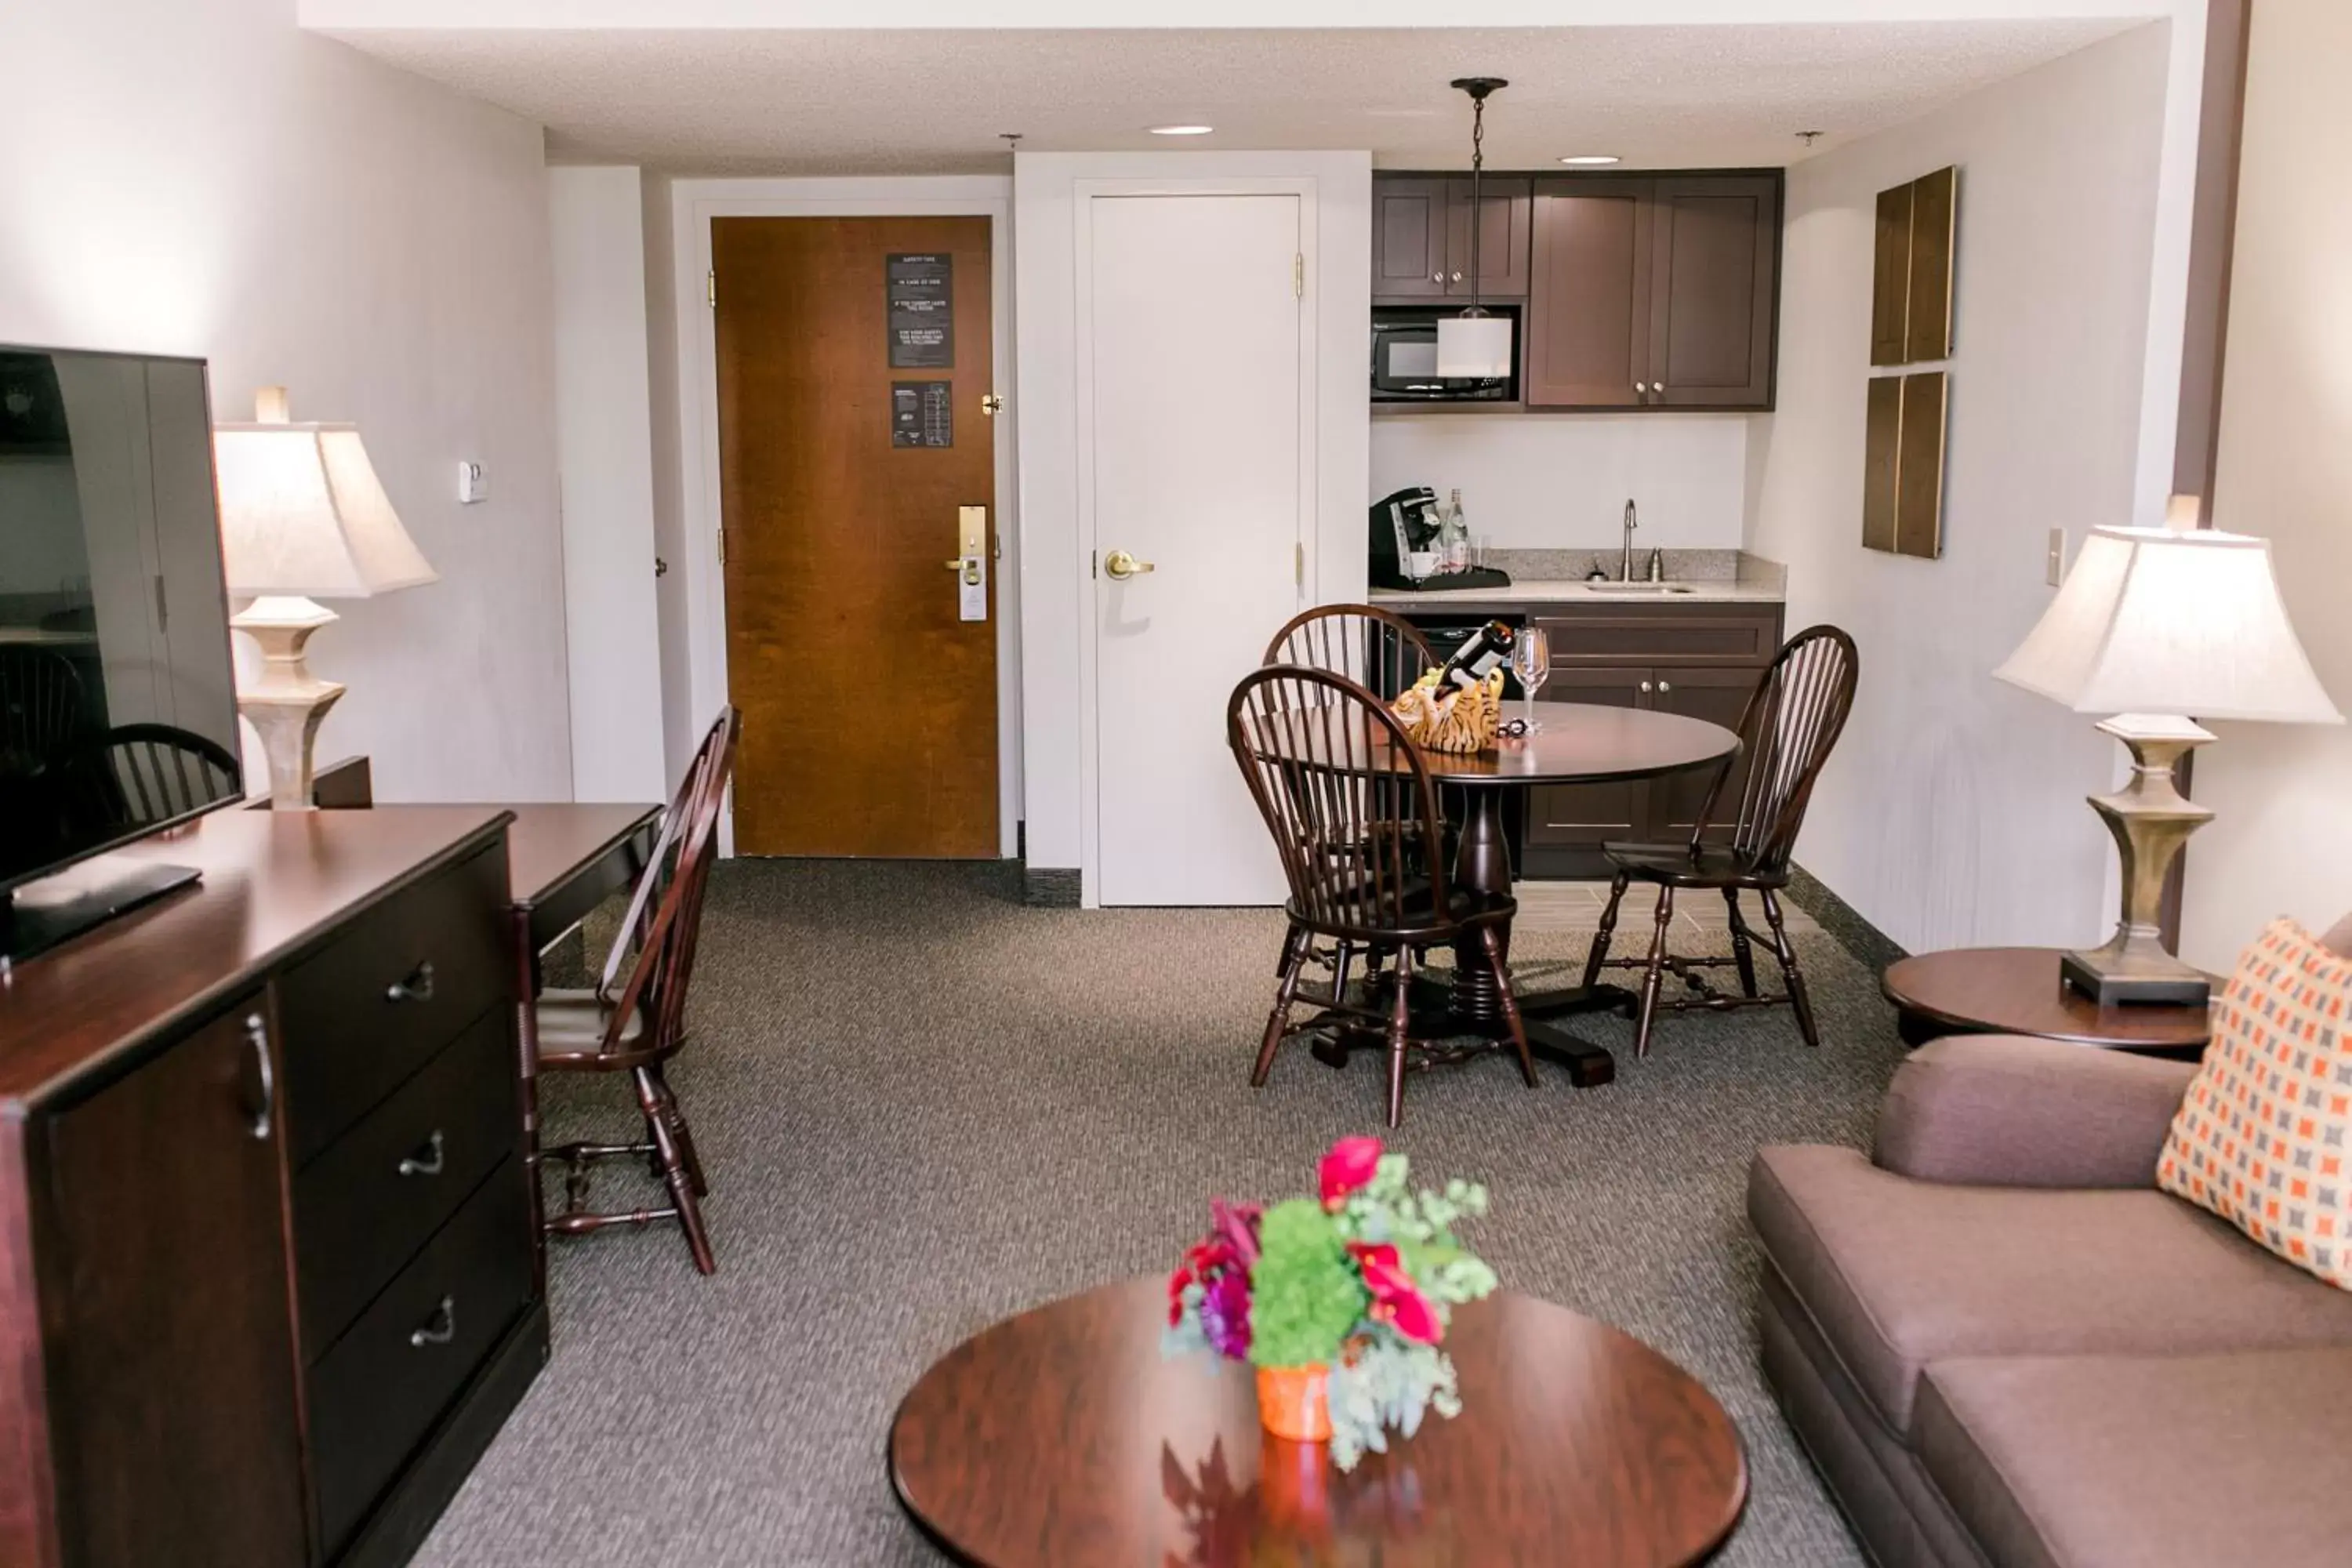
[1588,327]
[1911,285]
[1653,291]
[1713,254]
[1421,236]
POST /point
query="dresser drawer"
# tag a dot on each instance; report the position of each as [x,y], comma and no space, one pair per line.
[378,1393]
[364,1013]
[362,1208]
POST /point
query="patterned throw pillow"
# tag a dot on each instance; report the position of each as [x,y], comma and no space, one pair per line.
[2262,1137]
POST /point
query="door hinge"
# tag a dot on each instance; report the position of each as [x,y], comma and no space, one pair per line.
[1299,563]
[992,404]
[722,547]
[1093,564]
[711,287]
[1298,275]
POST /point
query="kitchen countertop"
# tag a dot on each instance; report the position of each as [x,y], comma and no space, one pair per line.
[1728,591]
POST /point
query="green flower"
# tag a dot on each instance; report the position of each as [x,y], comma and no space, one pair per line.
[1304,1297]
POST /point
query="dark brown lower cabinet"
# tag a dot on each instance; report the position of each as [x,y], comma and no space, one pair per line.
[166,1216]
[269,1278]
[1701,660]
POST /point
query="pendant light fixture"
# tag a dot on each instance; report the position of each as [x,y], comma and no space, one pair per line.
[1473,343]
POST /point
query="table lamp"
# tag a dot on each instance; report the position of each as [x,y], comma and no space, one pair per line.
[2152,625]
[302,515]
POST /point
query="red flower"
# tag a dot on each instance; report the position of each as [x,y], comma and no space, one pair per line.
[1396,1300]
[1176,1283]
[1349,1165]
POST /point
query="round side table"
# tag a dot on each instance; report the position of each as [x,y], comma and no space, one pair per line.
[2017,991]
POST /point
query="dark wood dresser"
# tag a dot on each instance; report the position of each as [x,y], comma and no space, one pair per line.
[267,1269]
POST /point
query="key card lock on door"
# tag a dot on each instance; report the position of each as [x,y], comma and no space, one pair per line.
[971,564]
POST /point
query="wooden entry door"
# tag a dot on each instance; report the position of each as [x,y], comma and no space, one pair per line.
[870,702]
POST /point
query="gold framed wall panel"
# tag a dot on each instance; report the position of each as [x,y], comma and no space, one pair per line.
[1903,464]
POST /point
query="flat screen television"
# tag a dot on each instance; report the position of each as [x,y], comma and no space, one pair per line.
[118,692]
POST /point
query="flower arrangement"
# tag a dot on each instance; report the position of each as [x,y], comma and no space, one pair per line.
[1356,1284]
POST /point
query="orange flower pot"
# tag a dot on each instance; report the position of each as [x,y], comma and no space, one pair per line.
[1294,1402]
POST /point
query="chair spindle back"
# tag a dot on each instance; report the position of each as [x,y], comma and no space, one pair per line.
[1382,652]
[1792,722]
[1346,795]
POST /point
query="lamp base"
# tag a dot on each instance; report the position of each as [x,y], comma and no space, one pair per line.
[286,703]
[2150,820]
[2113,977]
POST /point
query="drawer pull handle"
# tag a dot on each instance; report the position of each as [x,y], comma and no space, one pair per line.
[428,1162]
[257,1031]
[418,987]
[439,1329]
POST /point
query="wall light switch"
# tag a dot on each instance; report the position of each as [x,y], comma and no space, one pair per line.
[2054,567]
[473,483]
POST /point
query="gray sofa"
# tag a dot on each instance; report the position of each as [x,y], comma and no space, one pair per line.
[2002,1344]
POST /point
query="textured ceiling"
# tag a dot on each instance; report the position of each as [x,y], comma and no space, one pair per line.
[842,102]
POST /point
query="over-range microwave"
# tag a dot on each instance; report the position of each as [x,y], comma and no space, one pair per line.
[1404,358]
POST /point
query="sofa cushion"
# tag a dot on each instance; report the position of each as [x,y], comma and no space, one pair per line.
[2260,1137]
[1898,1273]
[2146,1461]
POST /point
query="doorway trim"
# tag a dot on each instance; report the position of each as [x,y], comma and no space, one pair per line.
[693,204]
[1083,193]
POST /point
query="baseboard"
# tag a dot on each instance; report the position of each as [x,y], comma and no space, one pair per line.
[1871,947]
[1052,886]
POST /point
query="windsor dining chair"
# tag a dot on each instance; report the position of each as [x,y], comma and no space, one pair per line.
[634,1020]
[1786,730]
[1350,805]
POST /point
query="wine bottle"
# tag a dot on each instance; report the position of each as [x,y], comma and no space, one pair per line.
[1486,651]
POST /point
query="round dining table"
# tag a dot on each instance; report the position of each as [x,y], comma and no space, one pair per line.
[1574,743]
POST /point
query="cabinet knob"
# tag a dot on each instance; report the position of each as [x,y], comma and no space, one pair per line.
[1457,277]
[1665,685]
[1437,277]
[1645,686]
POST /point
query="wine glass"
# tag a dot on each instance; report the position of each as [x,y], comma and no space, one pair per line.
[1531,661]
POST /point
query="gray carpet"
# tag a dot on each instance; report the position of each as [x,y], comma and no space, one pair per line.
[925,1106]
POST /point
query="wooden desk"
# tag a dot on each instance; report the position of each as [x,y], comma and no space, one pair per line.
[564,860]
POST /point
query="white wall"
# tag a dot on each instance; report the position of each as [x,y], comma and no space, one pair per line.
[1540,482]
[1952,814]
[681,726]
[604,453]
[2282,842]
[203,179]
[1055,596]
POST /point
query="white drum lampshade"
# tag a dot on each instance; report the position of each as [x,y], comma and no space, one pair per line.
[1474,345]
[302,515]
[2153,626]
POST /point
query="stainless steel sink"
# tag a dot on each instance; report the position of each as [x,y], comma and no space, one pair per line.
[1637,589]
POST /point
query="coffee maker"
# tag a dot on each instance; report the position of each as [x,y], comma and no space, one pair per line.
[1406,523]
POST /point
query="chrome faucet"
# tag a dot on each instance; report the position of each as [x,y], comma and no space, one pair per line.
[1625,565]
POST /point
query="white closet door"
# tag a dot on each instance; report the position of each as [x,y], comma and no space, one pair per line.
[1194,443]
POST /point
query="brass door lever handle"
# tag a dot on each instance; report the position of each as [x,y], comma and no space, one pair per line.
[1118,563]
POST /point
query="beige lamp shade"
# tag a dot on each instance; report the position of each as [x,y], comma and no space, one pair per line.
[304,514]
[2157,620]
[1474,345]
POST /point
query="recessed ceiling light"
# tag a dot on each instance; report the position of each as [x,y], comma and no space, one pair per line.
[1590,160]
[1181,129]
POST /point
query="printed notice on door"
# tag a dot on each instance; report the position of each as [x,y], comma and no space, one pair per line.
[922,311]
[922,413]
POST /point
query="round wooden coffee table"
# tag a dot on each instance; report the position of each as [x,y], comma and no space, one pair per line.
[1061,1436]
[2017,991]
